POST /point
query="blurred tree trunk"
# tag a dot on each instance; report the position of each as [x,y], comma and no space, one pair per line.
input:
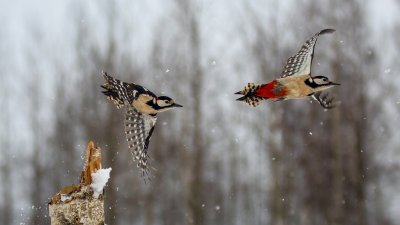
[352,160]
[36,187]
[337,212]
[6,165]
[7,202]
[196,197]
[38,152]
[189,62]
[234,185]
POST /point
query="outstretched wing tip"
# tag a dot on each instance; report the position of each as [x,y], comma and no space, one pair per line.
[300,63]
[104,74]
[326,31]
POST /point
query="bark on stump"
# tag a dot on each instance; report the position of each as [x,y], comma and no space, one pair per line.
[75,204]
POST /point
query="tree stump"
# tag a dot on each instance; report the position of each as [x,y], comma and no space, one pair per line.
[82,204]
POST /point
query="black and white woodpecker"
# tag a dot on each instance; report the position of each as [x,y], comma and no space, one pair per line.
[142,107]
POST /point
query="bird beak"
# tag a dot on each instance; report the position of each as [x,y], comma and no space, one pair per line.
[334,83]
[241,98]
[176,105]
[238,93]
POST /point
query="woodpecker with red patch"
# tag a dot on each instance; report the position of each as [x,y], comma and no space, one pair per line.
[295,81]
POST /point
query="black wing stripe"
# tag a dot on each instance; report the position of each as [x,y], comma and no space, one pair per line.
[147,142]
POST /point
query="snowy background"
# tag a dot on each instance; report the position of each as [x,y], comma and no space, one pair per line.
[218,161]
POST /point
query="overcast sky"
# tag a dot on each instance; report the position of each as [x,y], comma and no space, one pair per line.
[54,17]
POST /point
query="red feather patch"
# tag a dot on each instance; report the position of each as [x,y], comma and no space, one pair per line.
[271,90]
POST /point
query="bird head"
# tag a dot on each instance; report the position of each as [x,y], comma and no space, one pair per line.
[164,103]
[320,83]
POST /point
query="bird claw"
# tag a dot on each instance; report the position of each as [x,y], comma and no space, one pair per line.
[326,101]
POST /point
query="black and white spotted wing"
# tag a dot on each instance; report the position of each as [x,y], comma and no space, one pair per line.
[300,63]
[325,100]
[138,129]
[122,93]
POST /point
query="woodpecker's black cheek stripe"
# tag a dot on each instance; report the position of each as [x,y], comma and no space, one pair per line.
[154,105]
[315,85]
[150,103]
[311,84]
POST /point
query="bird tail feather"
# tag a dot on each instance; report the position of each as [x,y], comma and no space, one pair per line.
[250,97]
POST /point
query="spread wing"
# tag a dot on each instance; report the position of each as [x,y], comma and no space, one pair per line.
[325,100]
[138,129]
[122,93]
[300,63]
[117,91]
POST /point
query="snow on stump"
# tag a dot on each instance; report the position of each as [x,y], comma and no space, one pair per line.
[82,204]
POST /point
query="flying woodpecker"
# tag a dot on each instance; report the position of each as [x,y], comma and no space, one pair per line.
[296,80]
[142,107]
